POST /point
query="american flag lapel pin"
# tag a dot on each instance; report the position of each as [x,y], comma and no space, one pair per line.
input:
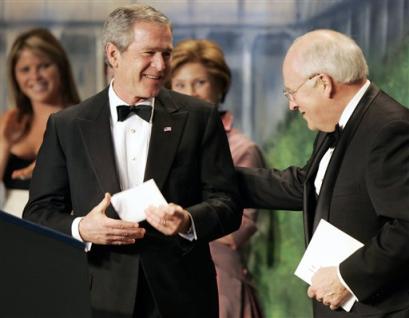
[167,129]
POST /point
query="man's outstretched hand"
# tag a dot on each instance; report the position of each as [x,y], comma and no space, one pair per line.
[97,228]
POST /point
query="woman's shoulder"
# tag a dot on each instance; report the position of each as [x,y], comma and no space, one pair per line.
[9,113]
[13,116]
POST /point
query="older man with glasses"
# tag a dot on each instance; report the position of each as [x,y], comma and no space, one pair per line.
[356,179]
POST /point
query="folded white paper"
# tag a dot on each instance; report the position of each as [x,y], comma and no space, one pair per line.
[329,246]
[131,204]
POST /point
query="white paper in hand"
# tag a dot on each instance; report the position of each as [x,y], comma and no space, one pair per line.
[131,204]
[329,246]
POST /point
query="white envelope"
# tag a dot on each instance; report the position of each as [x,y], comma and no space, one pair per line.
[329,246]
[131,204]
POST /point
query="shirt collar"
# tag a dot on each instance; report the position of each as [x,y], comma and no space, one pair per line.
[115,100]
[353,103]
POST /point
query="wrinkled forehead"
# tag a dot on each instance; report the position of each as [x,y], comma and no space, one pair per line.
[147,33]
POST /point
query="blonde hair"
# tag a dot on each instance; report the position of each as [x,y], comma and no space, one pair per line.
[207,53]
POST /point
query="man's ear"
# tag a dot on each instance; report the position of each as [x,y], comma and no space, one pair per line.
[327,85]
[112,53]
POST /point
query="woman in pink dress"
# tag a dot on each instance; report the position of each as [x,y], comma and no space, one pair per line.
[199,69]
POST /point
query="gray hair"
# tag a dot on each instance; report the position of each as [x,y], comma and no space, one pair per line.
[332,53]
[118,27]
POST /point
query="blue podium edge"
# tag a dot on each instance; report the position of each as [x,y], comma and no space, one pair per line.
[41,229]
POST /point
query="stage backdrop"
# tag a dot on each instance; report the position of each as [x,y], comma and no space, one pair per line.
[255,35]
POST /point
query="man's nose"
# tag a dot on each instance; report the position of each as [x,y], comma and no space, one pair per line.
[292,105]
[159,62]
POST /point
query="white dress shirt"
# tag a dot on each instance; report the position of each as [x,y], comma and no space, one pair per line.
[131,144]
[131,139]
[346,114]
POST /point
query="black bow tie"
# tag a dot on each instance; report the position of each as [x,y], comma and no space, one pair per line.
[143,111]
[335,136]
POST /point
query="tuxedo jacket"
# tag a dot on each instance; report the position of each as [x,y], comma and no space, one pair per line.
[192,166]
[365,193]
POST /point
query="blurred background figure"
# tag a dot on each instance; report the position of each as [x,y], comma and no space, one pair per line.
[41,83]
[199,69]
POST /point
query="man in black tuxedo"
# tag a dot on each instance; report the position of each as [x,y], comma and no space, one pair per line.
[162,267]
[357,177]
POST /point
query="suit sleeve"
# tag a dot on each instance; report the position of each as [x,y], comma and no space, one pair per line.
[383,261]
[50,202]
[271,188]
[220,212]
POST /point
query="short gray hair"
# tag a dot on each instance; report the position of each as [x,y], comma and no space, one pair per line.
[332,53]
[118,27]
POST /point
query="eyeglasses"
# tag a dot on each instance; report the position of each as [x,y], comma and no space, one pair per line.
[290,94]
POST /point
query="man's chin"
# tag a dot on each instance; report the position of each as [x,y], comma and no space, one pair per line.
[312,127]
[153,91]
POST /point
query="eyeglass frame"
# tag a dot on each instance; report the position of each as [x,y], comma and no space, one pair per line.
[290,94]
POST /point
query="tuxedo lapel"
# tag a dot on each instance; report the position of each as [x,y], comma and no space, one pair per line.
[310,197]
[325,197]
[167,128]
[96,136]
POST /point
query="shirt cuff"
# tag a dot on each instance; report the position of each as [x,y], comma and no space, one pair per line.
[345,284]
[75,231]
[190,235]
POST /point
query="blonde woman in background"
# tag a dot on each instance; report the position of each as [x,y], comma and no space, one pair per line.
[41,83]
[199,69]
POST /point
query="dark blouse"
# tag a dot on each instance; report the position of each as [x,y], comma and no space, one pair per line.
[15,163]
